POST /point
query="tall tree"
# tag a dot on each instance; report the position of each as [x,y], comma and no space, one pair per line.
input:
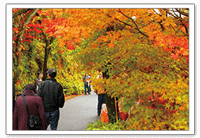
[21,18]
[147,47]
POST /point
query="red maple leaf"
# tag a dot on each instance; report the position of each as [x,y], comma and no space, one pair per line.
[174,56]
[39,12]
[70,45]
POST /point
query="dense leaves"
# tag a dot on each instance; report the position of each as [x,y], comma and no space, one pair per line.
[98,125]
[145,53]
[40,39]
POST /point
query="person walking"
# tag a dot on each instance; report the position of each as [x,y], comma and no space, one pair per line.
[52,97]
[86,83]
[101,95]
[89,86]
[38,80]
[34,106]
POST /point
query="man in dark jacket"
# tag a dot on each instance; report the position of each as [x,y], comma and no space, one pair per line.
[52,97]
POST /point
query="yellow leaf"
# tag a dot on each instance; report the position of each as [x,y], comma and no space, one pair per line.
[111,44]
[145,128]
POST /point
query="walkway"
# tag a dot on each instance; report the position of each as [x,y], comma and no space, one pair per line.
[77,112]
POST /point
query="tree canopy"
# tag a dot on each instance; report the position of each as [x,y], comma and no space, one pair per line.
[144,53]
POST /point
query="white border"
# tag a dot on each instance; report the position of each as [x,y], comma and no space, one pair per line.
[100,5]
[9,69]
[9,65]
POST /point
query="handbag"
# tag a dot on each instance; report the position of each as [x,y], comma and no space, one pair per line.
[34,122]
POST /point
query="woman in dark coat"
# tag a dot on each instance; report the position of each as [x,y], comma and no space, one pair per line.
[35,107]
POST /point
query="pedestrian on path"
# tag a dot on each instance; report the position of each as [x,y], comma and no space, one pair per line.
[86,80]
[101,94]
[38,80]
[52,97]
[89,86]
[34,105]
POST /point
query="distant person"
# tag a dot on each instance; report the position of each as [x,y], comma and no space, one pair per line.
[38,80]
[34,105]
[89,86]
[86,83]
[101,94]
[52,97]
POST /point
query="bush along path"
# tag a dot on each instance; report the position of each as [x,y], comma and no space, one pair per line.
[78,112]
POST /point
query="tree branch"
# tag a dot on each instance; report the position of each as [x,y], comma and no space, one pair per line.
[30,17]
[157,13]
[137,28]
[181,12]
[171,14]
[119,20]
[20,12]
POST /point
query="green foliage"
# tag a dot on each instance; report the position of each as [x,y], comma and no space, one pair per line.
[27,71]
[139,71]
[66,66]
[98,125]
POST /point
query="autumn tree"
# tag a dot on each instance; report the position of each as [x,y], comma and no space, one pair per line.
[20,18]
[147,52]
[143,54]
[39,42]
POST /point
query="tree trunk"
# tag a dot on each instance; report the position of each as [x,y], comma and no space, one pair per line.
[46,55]
[110,104]
[19,58]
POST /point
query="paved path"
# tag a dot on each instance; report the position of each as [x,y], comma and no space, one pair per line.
[77,112]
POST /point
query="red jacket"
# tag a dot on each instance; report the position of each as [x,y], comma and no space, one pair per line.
[35,107]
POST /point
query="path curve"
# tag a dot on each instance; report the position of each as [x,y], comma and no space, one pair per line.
[78,112]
